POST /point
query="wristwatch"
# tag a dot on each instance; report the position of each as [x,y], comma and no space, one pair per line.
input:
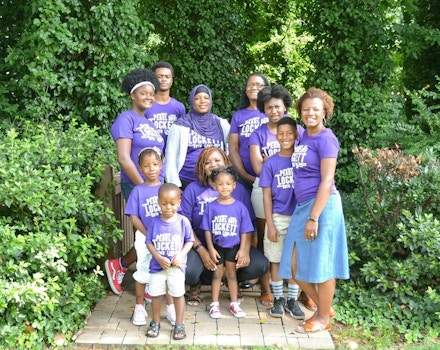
[313,219]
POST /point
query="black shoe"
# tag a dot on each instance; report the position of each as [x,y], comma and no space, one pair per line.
[278,307]
[294,309]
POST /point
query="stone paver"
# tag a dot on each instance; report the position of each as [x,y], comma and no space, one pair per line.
[110,326]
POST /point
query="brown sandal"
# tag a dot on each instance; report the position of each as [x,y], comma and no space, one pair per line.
[307,301]
[193,299]
[267,301]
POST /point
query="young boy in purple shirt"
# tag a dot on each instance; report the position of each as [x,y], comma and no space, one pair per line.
[276,179]
[169,239]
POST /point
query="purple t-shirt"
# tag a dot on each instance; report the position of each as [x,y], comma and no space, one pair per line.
[164,115]
[306,162]
[227,222]
[197,143]
[277,173]
[129,125]
[267,140]
[142,203]
[243,123]
[168,237]
[196,198]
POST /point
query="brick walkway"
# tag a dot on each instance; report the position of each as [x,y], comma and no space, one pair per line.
[109,325]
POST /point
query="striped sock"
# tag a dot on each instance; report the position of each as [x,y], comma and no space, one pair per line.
[277,287]
[292,291]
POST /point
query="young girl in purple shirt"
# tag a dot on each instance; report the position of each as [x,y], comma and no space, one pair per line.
[228,230]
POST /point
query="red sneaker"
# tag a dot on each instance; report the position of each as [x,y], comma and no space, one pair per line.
[115,274]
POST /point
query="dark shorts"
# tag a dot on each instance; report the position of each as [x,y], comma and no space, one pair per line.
[226,254]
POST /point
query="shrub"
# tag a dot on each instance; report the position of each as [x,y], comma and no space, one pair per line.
[394,239]
[53,232]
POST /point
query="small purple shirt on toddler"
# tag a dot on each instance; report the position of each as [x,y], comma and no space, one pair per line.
[196,198]
[168,237]
[227,222]
[277,173]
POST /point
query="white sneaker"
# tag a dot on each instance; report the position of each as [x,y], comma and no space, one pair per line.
[171,314]
[214,312]
[140,316]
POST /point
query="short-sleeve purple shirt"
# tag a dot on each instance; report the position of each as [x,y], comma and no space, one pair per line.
[267,140]
[244,122]
[227,222]
[142,203]
[168,237]
[164,115]
[277,173]
[143,134]
[197,143]
[196,198]
[306,162]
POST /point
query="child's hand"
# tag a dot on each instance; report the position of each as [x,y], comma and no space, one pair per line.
[272,234]
[176,260]
[207,260]
[164,262]
[214,255]
[242,258]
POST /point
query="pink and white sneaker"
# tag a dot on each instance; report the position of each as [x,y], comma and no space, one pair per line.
[214,312]
[115,274]
[236,310]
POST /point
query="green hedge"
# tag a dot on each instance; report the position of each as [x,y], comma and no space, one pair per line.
[54,232]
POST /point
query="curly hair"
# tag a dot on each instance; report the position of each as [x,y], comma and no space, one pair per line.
[136,76]
[229,169]
[202,177]
[276,91]
[314,92]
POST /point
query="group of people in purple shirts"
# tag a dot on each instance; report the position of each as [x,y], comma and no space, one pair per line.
[255,200]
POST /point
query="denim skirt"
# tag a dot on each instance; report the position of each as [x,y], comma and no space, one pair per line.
[324,258]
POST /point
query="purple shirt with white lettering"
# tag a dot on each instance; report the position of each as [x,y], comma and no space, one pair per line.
[227,222]
[168,237]
[143,134]
[267,141]
[142,203]
[197,143]
[244,122]
[306,162]
[164,115]
[196,198]
[277,173]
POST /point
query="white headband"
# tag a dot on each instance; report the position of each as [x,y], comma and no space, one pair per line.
[141,84]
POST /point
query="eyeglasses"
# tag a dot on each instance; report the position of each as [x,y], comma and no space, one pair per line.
[255,85]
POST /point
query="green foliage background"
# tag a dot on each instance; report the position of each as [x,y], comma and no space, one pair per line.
[61,65]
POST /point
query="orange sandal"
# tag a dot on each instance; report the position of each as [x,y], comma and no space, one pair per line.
[267,301]
[313,327]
